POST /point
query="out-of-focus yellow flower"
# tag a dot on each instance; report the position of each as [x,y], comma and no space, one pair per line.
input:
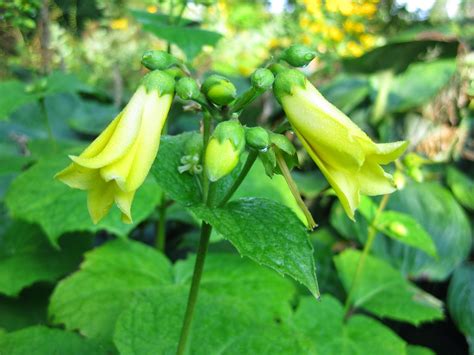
[335,34]
[306,39]
[354,49]
[119,24]
[151,9]
[352,26]
[367,40]
[305,22]
[346,156]
[117,162]
[366,9]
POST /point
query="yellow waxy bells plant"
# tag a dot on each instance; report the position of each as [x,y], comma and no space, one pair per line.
[346,156]
[117,162]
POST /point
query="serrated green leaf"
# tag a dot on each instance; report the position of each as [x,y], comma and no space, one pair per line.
[36,197]
[268,233]
[152,323]
[40,340]
[255,289]
[27,257]
[323,324]
[405,229]
[383,291]
[461,301]
[462,187]
[92,298]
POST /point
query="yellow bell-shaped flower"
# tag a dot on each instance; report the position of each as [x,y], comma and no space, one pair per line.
[347,157]
[117,162]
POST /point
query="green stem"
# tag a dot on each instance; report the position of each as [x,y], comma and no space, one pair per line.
[243,173]
[294,189]
[161,230]
[208,193]
[193,293]
[372,232]
[44,112]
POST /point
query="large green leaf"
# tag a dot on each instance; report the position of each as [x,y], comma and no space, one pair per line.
[405,229]
[462,187]
[152,323]
[35,196]
[461,301]
[14,94]
[346,91]
[383,291]
[40,340]
[398,55]
[91,299]
[435,209]
[410,89]
[323,324]
[257,290]
[268,233]
[27,257]
[189,39]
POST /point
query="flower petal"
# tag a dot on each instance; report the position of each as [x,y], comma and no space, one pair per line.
[153,120]
[123,136]
[78,177]
[328,129]
[373,180]
[344,183]
[387,152]
[100,200]
[124,200]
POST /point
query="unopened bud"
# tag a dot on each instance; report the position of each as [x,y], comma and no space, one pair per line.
[187,89]
[262,79]
[160,60]
[219,90]
[224,148]
[298,55]
[257,138]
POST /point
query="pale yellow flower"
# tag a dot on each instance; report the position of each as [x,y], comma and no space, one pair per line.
[117,162]
[346,156]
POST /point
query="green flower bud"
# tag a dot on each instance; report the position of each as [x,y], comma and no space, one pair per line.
[219,90]
[160,60]
[262,79]
[187,89]
[283,143]
[257,138]
[224,148]
[298,55]
[159,81]
[285,81]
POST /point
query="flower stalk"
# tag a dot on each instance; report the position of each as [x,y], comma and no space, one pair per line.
[372,232]
[294,189]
